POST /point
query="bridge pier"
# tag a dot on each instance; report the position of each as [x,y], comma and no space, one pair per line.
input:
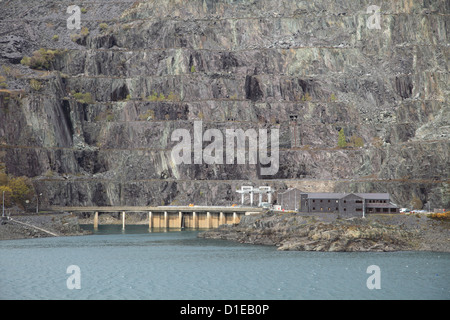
[194,220]
[150,220]
[123,220]
[208,220]
[221,218]
[96,221]
[166,220]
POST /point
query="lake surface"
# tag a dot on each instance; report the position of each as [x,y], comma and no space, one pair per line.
[136,264]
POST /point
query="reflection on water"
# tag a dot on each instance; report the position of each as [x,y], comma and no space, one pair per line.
[168,264]
[131,229]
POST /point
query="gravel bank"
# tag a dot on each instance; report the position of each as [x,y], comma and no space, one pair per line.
[62,224]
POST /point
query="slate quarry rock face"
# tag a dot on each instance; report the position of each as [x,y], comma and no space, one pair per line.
[98,129]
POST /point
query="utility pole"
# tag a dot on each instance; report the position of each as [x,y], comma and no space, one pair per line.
[364,207]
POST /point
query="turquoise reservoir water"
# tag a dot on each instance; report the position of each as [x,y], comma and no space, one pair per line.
[136,264]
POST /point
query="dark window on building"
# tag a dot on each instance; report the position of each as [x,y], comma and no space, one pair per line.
[358,201]
[345,209]
[358,209]
[314,208]
[345,201]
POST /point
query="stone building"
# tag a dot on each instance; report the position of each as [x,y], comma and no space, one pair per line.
[347,204]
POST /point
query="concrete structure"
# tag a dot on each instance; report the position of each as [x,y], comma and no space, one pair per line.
[246,190]
[179,217]
[348,204]
[290,199]
[251,191]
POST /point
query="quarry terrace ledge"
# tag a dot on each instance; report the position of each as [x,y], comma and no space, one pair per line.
[193,217]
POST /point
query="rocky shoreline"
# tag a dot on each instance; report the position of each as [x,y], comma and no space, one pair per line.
[303,232]
[61,224]
[288,232]
[41,225]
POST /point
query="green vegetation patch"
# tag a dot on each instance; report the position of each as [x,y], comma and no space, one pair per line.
[41,59]
[83,97]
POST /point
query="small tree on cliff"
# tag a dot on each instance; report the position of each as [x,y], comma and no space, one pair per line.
[8,193]
[342,143]
[21,190]
[3,179]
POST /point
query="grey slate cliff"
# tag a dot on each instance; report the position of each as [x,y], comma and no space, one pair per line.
[307,68]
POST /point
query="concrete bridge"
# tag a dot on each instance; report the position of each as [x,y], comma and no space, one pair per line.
[193,217]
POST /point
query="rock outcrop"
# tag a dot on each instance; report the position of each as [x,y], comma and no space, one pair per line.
[302,232]
[95,129]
